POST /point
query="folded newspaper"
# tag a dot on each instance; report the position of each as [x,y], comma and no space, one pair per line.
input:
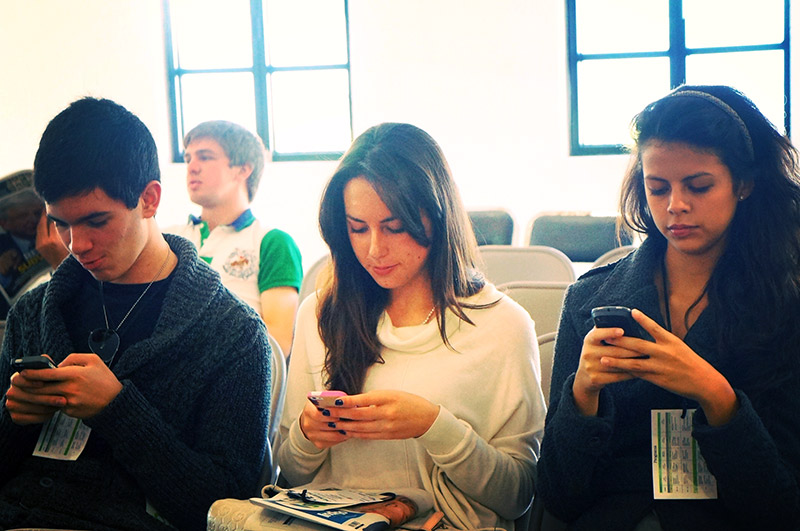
[21,265]
[347,509]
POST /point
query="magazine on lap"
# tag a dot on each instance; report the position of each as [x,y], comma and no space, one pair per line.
[341,509]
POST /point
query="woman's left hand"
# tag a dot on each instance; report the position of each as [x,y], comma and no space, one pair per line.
[673,366]
[387,415]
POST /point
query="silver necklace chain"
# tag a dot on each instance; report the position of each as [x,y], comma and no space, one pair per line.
[103,300]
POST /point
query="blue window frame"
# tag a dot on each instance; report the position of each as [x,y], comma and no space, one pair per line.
[623,54]
[278,67]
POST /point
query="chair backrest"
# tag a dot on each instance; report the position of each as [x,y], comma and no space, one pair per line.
[507,263]
[613,255]
[547,344]
[582,238]
[269,469]
[542,301]
[309,284]
[492,227]
[279,369]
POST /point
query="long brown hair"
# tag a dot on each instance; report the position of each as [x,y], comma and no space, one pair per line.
[408,170]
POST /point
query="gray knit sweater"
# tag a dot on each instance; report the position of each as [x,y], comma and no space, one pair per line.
[188,427]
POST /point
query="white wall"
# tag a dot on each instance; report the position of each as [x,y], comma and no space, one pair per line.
[486,79]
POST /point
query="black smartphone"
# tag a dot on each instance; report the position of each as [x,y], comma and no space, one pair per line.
[618,317]
[32,362]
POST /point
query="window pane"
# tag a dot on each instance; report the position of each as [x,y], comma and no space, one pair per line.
[622,25]
[218,97]
[759,75]
[212,34]
[605,108]
[305,32]
[310,111]
[732,22]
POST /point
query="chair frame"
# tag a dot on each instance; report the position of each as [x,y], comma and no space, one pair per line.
[563,270]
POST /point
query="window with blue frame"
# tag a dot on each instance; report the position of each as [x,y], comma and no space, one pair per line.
[278,67]
[623,54]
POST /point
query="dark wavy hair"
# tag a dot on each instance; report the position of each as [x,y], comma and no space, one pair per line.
[410,174]
[754,289]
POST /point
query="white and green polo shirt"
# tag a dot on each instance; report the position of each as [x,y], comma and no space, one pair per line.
[249,257]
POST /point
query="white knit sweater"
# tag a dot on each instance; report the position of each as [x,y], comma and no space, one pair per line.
[478,457]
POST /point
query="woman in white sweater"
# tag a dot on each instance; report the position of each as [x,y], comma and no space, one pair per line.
[441,371]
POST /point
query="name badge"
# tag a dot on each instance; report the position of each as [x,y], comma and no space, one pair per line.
[62,438]
[679,470]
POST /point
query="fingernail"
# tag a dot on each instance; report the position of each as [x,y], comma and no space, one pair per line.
[331,424]
[343,432]
[326,413]
[339,402]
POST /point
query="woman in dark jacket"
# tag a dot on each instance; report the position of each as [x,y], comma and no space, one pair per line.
[716,285]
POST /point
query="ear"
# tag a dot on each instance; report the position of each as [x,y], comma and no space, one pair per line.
[744,191]
[245,171]
[150,199]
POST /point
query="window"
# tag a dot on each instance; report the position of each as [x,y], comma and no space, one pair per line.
[278,67]
[623,54]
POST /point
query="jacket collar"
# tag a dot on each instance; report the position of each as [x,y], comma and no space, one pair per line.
[194,285]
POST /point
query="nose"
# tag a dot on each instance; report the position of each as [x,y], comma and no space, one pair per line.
[677,202]
[193,166]
[377,244]
[76,241]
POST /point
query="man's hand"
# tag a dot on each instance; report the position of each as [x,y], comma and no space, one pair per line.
[82,386]
[49,243]
[29,401]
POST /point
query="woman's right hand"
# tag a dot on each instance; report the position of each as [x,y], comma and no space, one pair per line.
[592,375]
[319,427]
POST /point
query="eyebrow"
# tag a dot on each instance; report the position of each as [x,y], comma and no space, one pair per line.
[84,219]
[385,220]
[687,178]
[203,151]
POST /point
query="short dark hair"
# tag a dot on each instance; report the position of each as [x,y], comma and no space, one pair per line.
[240,145]
[95,143]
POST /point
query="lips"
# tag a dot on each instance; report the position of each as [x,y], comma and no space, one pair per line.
[91,265]
[383,270]
[681,231]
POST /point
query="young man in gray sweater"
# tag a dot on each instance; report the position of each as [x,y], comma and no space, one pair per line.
[159,402]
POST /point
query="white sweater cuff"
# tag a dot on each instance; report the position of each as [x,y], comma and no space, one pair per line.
[445,435]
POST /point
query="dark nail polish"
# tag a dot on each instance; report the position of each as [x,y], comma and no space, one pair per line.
[339,402]
[331,424]
[326,413]
[343,432]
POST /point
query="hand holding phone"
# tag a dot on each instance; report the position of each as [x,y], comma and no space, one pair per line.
[32,362]
[618,317]
[325,398]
